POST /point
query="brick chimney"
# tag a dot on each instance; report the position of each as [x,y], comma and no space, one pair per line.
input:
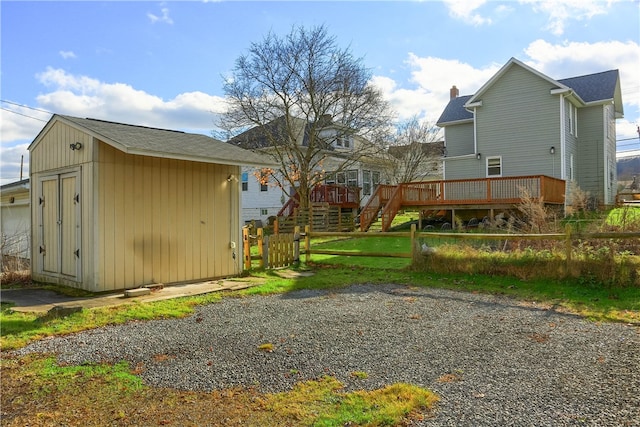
[453,92]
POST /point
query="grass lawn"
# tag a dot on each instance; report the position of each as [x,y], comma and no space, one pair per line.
[36,391]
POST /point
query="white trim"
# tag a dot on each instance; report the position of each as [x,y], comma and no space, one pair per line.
[462,157]
[454,122]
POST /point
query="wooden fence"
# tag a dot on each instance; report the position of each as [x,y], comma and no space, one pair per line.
[293,250]
[569,237]
[277,250]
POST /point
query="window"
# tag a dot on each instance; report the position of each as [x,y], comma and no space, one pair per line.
[375,179]
[245,181]
[573,120]
[330,179]
[494,166]
[352,178]
[264,180]
[571,177]
[366,183]
[344,141]
[341,178]
[264,212]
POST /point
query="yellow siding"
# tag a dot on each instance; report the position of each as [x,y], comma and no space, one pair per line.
[52,151]
[19,198]
[163,220]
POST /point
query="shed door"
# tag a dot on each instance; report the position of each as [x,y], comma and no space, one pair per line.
[60,225]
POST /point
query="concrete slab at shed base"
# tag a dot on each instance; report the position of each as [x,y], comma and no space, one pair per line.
[130,293]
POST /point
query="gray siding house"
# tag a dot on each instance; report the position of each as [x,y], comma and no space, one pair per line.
[524,123]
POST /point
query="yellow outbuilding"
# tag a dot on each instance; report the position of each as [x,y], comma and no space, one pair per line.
[117,206]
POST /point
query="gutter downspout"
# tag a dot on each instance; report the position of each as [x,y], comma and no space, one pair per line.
[563,140]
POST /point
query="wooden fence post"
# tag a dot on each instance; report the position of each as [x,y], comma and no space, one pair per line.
[413,241]
[296,244]
[307,244]
[262,252]
[246,248]
[568,246]
[276,226]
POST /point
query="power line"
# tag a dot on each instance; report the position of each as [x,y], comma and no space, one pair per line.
[25,106]
[24,115]
[627,139]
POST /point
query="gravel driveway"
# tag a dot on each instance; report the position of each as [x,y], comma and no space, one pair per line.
[492,360]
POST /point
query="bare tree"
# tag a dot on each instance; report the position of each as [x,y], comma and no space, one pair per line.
[305,99]
[417,151]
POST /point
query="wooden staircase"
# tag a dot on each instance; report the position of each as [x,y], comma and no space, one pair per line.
[386,199]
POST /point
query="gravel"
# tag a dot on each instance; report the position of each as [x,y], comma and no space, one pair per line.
[493,361]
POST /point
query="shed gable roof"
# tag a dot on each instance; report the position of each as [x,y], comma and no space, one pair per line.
[147,141]
[591,88]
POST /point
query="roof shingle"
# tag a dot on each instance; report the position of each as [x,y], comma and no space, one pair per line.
[166,143]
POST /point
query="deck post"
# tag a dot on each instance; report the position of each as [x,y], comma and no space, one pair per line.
[453,219]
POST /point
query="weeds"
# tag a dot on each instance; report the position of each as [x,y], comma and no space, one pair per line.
[37,391]
[321,403]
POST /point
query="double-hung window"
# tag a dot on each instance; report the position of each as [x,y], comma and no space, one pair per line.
[494,166]
[264,181]
[245,181]
[352,178]
[366,183]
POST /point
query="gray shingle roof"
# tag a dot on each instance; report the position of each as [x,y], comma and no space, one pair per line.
[455,111]
[590,88]
[594,87]
[166,143]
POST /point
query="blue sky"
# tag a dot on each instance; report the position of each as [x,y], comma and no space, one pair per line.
[162,63]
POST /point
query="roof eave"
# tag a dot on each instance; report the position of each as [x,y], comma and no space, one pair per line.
[203,159]
[455,122]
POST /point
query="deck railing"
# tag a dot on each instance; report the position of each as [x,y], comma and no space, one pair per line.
[484,190]
[459,192]
[333,195]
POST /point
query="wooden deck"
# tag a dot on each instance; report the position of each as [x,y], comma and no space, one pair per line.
[482,193]
[332,195]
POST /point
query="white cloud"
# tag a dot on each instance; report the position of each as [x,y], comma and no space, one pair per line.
[571,59]
[84,96]
[432,79]
[12,158]
[67,54]
[561,11]
[464,10]
[164,18]
[88,97]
